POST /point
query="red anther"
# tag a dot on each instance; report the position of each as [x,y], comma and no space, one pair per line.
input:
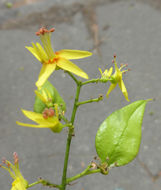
[126,64]
[43,30]
[114,55]
[37,33]
[129,69]
[121,64]
[50,61]
[15,156]
[51,112]
[55,59]
[45,116]
[52,30]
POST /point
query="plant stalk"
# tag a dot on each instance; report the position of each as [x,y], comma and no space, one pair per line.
[87,171]
[70,134]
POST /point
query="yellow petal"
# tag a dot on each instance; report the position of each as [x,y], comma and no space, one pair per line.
[34,52]
[45,72]
[18,185]
[34,126]
[100,70]
[110,71]
[123,89]
[69,66]
[42,53]
[46,41]
[73,54]
[112,86]
[37,117]
[42,98]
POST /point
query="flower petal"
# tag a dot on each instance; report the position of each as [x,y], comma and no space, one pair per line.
[110,89]
[34,126]
[45,72]
[34,52]
[38,94]
[123,89]
[41,52]
[100,70]
[69,66]
[37,117]
[18,185]
[73,54]
[46,41]
[110,71]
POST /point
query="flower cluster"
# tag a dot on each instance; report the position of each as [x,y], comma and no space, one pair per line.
[51,60]
[47,115]
[49,106]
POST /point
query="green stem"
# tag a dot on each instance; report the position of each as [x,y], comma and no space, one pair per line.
[91,81]
[84,173]
[70,133]
[95,81]
[90,101]
[32,184]
[45,183]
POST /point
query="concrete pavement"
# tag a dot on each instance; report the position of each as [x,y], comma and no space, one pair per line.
[129,28]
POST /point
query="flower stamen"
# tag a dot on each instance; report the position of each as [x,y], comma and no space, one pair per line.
[43,30]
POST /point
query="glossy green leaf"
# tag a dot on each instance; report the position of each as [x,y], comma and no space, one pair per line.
[39,105]
[118,137]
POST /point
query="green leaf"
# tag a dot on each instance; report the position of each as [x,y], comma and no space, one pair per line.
[118,137]
[39,105]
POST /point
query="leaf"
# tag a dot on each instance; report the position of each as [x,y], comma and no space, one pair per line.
[118,137]
[39,105]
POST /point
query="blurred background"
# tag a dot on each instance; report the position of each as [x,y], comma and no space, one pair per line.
[129,28]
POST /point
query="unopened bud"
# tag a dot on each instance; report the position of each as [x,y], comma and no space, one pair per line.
[93,165]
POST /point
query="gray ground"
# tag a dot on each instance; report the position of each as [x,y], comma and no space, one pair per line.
[130,28]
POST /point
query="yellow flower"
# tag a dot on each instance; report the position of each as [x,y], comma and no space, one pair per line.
[19,182]
[116,78]
[55,60]
[47,119]
[105,76]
